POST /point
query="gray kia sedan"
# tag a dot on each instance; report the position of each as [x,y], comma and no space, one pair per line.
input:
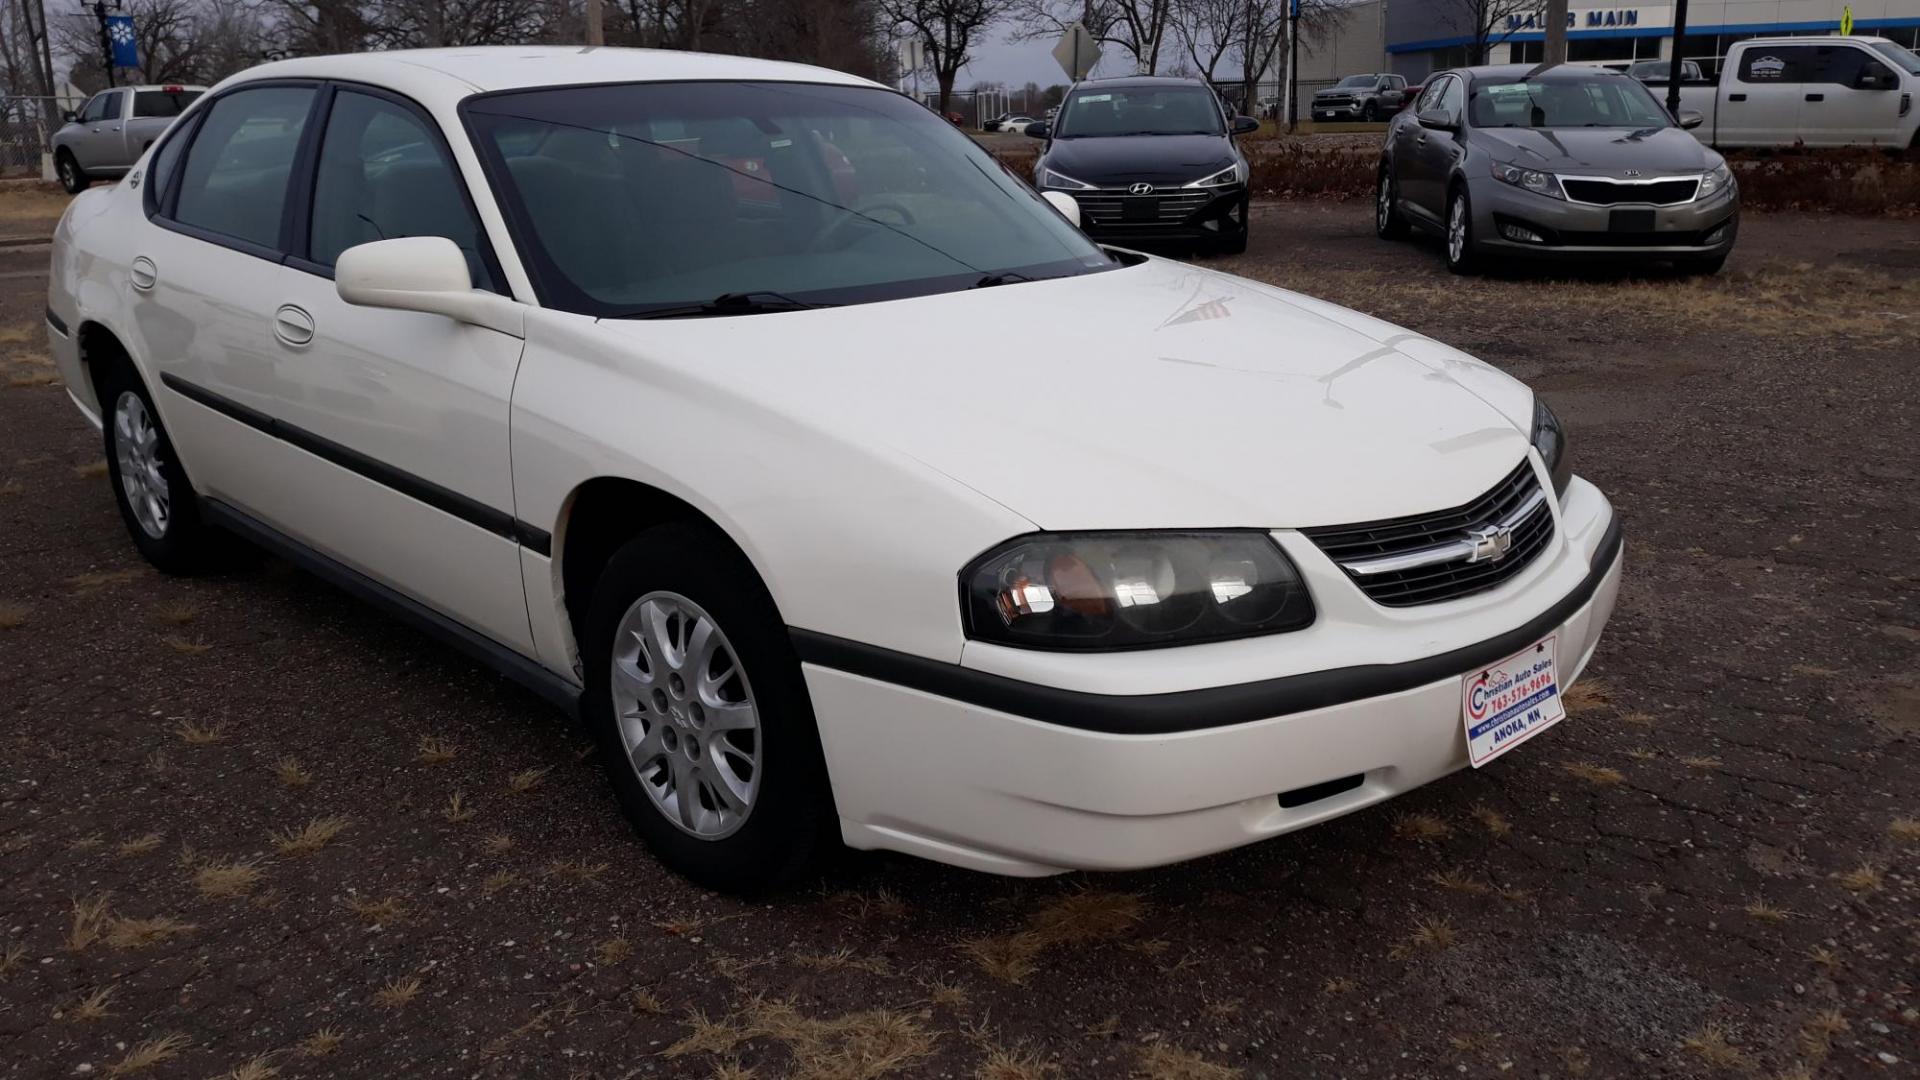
[1554,162]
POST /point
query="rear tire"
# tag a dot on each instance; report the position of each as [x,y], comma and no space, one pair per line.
[760,810]
[1235,244]
[72,176]
[1461,258]
[156,500]
[1388,224]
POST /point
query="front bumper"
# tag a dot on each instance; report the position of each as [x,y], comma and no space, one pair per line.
[1177,214]
[948,771]
[1345,110]
[1702,229]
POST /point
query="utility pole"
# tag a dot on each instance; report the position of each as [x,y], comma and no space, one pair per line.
[1293,66]
[106,39]
[596,29]
[1556,47]
[1673,60]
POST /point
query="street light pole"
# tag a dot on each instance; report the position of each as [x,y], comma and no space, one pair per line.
[1555,50]
[1293,66]
[1673,59]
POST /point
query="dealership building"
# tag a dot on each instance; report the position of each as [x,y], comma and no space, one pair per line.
[1422,36]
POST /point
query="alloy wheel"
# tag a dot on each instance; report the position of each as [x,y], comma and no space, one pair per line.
[687,715]
[136,445]
[1383,208]
[1457,230]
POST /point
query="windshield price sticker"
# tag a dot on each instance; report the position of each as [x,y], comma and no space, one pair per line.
[1511,702]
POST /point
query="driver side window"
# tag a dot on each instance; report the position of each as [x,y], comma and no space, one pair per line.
[1451,98]
[96,107]
[383,174]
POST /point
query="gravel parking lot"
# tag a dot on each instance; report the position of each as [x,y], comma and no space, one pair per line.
[247,825]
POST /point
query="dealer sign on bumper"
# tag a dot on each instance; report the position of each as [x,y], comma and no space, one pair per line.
[1511,702]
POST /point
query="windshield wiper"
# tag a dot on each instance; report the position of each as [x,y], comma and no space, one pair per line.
[757,302]
[1009,277]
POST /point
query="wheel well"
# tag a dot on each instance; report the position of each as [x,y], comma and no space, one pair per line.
[600,517]
[101,352]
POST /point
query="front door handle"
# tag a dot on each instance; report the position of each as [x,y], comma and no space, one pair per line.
[1421,141]
[293,325]
[1736,97]
[143,273]
[1816,97]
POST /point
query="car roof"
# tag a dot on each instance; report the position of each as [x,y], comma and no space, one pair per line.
[443,76]
[165,86]
[1552,74]
[1123,81]
[1862,39]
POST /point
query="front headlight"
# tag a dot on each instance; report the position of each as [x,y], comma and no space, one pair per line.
[1050,178]
[1132,590]
[1540,183]
[1551,440]
[1717,179]
[1232,174]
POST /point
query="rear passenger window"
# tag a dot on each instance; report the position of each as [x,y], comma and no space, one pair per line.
[166,102]
[235,179]
[384,174]
[1770,64]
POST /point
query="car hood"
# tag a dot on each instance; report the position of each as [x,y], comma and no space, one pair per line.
[1156,159]
[1598,151]
[1158,395]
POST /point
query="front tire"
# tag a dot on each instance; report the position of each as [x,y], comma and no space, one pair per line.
[72,177]
[1369,113]
[695,696]
[1388,224]
[1461,258]
[156,500]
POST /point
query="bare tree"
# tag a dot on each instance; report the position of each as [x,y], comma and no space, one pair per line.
[1263,43]
[1137,27]
[1209,29]
[1485,21]
[947,29]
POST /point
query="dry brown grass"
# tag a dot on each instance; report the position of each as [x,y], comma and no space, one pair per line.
[1587,694]
[852,1046]
[1865,878]
[196,734]
[433,750]
[14,616]
[500,881]
[100,579]
[587,873]
[1339,984]
[1817,1034]
[319,1044]
[1765,912]
[311,837]
[91,469]
[11,957]
[227,878]
[33,378]
[1905,829]
[1492,820]
[141,845]
[1075,918]
[92,916]
[124,933]
[615,950]
[1710,1045]
[26,210]
[1603,775]
[706,1036]
[1700,762]
[1429,935]
[177,614]
[398,993]
[1420,828]
[527,779]
[11,486]
[147,1054]
[291,773]
[91,1007]
[383,912]
[864,906]
[186,646]
[1458,880]
[645,1002]
[1824,958]
[457,810]
[1004,1064]
[497,843]
[1164,1061]
[259,1067]
[844,959]
[950,994]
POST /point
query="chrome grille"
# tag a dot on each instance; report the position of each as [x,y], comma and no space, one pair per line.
[1608,193]
[1109,207]
[1424,558]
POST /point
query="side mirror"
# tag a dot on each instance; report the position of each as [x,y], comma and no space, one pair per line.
[426,274]
[1039,131]
[1245,125]
[1437,119]
[69,116]
[1064,203]
[1873,80]
[1690,119]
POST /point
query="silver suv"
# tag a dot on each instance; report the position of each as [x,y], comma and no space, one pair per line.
[1365,98]
[113,129]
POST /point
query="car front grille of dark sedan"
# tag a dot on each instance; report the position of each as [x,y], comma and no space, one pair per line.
[1169,206]
[1609,193]
[1449,554]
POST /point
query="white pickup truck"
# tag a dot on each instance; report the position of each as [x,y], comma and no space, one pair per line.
[1809,91]
[110,132]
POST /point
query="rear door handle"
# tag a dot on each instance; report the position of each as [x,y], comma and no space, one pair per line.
[143,273]
[293,325]
[1736,97]
[1421,141]
[1816,97]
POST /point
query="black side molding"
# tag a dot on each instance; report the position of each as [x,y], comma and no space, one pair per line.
[59,324]
[500,658]
[1193,710]
[446,500]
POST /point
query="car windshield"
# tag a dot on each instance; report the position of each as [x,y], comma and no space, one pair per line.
[1566,102]
[1140,110]
[699,197]
[1353,81]
[1903,58]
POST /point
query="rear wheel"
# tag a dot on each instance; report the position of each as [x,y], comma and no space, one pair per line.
[1387,222]
[695,696]
[72,177]
[1460,254]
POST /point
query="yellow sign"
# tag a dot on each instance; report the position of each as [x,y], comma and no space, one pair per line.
[1846,20]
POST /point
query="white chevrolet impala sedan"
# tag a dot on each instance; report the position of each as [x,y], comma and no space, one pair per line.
[670,385]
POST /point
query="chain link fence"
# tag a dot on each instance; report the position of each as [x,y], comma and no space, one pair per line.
[26,126]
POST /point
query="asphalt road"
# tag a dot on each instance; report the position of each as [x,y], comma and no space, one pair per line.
[247,823]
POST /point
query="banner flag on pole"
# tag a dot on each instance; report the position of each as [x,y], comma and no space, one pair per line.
[126,52]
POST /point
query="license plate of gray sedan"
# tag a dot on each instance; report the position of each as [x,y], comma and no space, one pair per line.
[1630,221]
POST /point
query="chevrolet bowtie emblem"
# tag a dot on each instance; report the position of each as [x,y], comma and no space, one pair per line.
[1490,543]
